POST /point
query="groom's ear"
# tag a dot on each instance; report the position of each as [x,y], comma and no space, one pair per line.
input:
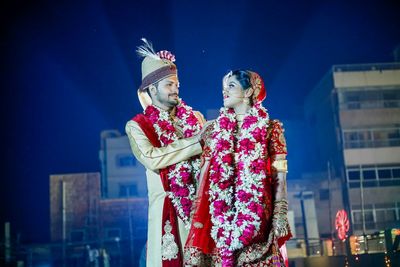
[152,90]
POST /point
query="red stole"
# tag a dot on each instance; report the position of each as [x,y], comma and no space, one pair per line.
[169,212]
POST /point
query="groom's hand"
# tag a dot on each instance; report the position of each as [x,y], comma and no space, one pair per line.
[205,132]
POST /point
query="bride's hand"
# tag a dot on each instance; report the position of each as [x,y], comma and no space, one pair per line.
[201,136]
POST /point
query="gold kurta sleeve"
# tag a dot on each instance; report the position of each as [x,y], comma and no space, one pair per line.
[155,158]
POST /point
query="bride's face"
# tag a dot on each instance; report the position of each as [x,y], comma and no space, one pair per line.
[232,92]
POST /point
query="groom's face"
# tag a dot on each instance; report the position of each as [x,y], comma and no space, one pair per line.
[167,92]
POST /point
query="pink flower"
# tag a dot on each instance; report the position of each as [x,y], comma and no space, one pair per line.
[262,114]
[231,111]
[240,166]
[192,120]
[245,217]
[174,187]
[186,205]
[247,234]
[186,177]
[228,259]
[180,112]
[220,207]
[165,140]
[259,134]
[179,191]
[188,133]
[243,196]
[227,159]
[182,192]
[215,177]
[182,168]
[152,113]
[224,185]
[246,145]
[258,166]
[227,124]
[166,126]
[248,121]
[223,145]
[256,208]
[220,233]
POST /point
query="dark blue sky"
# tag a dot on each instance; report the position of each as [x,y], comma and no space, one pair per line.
[69,71]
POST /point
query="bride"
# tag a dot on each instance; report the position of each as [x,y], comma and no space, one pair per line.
[240,215]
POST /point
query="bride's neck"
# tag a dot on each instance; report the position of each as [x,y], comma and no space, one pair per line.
[242,109]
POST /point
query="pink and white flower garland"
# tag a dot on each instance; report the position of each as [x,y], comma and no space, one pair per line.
[184,175]
[237,179]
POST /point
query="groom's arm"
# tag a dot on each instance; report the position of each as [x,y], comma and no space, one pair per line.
[154,158]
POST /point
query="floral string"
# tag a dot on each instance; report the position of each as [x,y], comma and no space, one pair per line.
[237,179]
[184,175]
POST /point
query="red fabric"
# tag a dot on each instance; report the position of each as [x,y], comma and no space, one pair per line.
[169,214]
[200,237]
[168,209]
[148,129]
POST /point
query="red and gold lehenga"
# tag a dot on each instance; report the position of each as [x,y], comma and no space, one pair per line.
[264,249]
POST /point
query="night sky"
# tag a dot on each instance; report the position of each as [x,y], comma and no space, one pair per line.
[69,71]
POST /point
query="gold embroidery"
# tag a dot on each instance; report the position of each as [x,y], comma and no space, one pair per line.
[198,225]
[169,248]
[280,165]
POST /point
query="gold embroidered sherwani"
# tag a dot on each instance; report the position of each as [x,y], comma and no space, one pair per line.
[154,159]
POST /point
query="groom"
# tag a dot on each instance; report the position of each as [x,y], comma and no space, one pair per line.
[165,140]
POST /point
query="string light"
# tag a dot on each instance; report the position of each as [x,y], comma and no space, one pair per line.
[346,262]
[387,260]
[357,247]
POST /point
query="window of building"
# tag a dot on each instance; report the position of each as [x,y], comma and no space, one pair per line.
[369,174]
[376,137]
[396,173]
[128,190]
[378,175]
[384,174]
[370,99]
[368,219]
[391,215]
[377,216]
[369,216]
[125,160]
[353,175]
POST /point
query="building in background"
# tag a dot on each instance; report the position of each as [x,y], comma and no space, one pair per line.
[82,220]
[121,174]
[355,111]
